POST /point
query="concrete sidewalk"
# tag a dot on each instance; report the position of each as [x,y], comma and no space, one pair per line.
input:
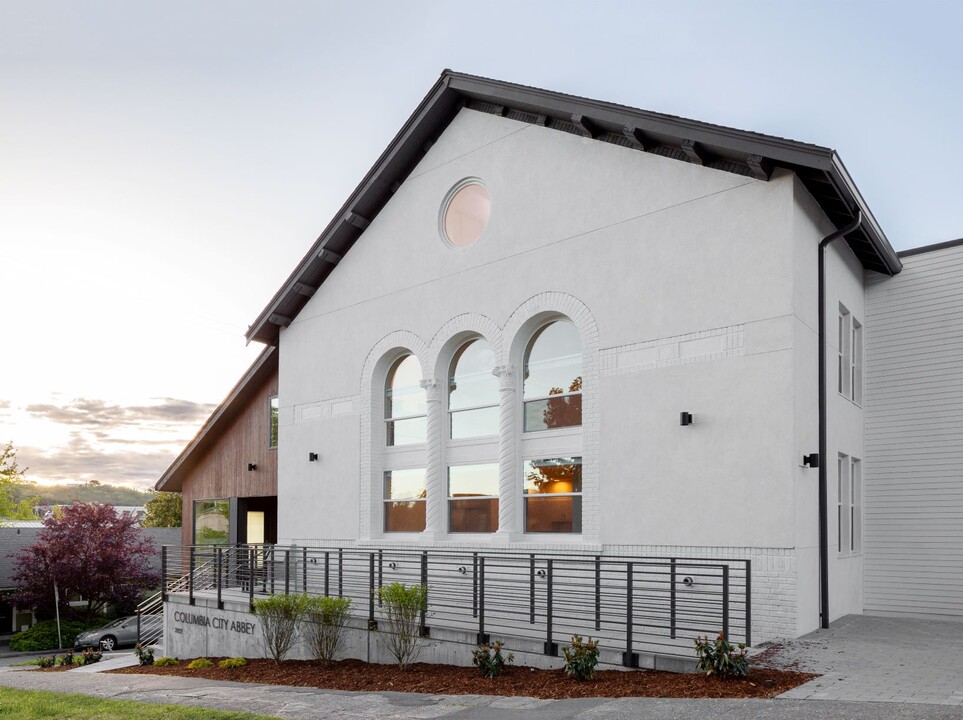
[311,704]
[865,658]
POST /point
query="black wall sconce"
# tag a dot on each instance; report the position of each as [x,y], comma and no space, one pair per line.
[685,418]
[312,457]
[812,460]
[251,467]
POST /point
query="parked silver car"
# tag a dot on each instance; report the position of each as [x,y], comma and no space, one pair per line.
[114,634]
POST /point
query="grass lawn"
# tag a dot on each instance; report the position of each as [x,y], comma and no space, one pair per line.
[30,704]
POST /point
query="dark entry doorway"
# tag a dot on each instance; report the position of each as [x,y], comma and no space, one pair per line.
[257,520]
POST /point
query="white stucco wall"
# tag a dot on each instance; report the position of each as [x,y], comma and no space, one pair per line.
[844,284]
[695,291]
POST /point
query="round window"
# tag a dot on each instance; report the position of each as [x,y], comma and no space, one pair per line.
[466,213]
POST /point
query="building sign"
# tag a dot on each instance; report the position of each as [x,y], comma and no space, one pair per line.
[226,624]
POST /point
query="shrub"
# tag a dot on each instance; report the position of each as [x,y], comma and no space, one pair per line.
[230,663]
[327,618]
[67,658]
[722,657]
[47,661]
[43,635]
[488,659]
[145,656]
[200,664]
[581,657]
[402,606]
[89,657]
[280,616]
[165,662]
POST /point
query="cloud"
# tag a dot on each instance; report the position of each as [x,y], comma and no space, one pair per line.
[81,460]
[109,442]
[93,413]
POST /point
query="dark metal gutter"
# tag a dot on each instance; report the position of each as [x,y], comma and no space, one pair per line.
[823,444]
[930,248]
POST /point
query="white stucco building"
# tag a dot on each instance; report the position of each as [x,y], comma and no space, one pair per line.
[549,324]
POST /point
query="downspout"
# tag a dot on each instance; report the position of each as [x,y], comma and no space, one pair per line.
[823,459]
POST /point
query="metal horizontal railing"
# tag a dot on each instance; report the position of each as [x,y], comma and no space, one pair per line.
[150,620]
[631,604]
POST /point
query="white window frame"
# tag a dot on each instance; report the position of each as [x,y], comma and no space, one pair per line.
[856,506]
[849,506]
[849,368]
[548,443]
[449,499]
[856,363]
[580,494]
[394,458]
[842,339]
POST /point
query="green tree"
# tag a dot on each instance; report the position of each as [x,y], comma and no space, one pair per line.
[11,477]
[163,510]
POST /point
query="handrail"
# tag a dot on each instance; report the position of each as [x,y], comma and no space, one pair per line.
[631,603]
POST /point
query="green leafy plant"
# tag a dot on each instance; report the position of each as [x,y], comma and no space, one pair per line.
[43,635]
[67,658]
[720,657]
[581,657]
[166,662]
[401,607]
[280,616]
[47,662]
[145,656]
[489,660]
[230,663]
[89,657]
[326,618]
[200,664]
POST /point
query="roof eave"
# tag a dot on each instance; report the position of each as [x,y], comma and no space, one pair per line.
[453,89]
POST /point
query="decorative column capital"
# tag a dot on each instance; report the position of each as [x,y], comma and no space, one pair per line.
[432,389]
[505,375]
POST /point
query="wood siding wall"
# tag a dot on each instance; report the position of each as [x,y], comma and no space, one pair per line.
[914,438]
[222,471]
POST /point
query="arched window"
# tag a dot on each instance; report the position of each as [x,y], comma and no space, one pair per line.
[472,416]
[406,421]
[472,392]
[553,378]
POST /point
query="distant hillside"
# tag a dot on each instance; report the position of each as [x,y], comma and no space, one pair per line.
[69,494]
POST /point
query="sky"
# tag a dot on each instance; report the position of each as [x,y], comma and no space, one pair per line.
[165,165]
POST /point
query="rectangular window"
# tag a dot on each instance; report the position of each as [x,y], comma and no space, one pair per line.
[473,498]
[849,505]
[856,366]
[850,356]
[474,422]
[407,431]
[404,500]
[856,507]
[553,495]
[555,411]
[212,522]
[273,432]
[842,472]
[843,338]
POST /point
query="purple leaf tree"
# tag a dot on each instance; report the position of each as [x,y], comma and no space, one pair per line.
[91,553]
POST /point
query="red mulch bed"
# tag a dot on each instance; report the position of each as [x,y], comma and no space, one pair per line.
[525,681]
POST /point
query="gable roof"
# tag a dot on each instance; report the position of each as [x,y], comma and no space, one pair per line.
[260,371]
[738,151]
